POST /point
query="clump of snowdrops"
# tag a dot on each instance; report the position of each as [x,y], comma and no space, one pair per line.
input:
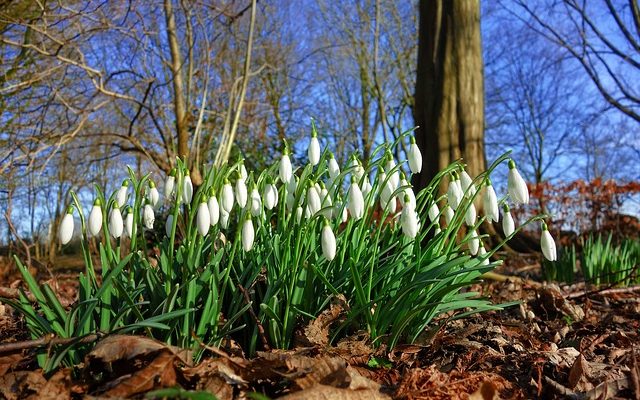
[257,254]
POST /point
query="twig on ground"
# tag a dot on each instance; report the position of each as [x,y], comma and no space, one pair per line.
[48,340]
[605,291]
[494,276]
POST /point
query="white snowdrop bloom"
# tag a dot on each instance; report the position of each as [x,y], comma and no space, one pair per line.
[242,170]
[65,230]
[187,188]
[299,213]
[292,185]
[326,202]
[314,150]
[547,244]
[256,202]
[154,195]
[203,219]
[148,216]
[270,196]
[407,190]
[248,235]
[454,192]
[285,170]
[121,195]
[394,176]
[366,187]
[128,223]
[116,225]
[490,204]
[334,168]
[434,212]
[170,184]
[474,242]
[355,200]
[344,216]
[437,229]
[508,225]
[481,254]
[169,224]
[214,208]
[358,170]
[470,215]
[409,221]
[415,157]
[224,219]
[328,242]
[516,186]
[95,218]
[241,193]
[467,185]
[227,197]
[448,214]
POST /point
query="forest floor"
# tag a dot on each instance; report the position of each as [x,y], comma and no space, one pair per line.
[559,342]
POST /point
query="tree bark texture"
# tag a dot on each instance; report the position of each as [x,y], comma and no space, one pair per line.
[449,103]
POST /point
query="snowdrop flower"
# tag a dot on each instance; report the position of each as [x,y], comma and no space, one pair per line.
[203,219]
[242,171]
[241,192]
[313,200]
[270,195]
[65,231]
[169,225]
[547,244]
[328,241]
[314,149]
[227,196]
[466,183]
[128,222]
[448,214]
[170,184]
[340,210]
[95,218]
[248,234]
[116,225]
[508,225]
[148,217]
[355,200]
[470,215]
[490,203]
[408,190]
[224,219]
[437,229]
[358,169]
[334,168]
[214,208]
[121,195]
[394,178]
[292,185]
[409,220]
[481,254]
[256,202]
[516,186]
[366,187]
[474,243]
[187,188]
[285,168]
[154,195]
[454,192]
[325,201]
[434,212]
[415,157]
[299,213]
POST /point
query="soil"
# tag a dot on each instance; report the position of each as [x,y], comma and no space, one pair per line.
[559,342]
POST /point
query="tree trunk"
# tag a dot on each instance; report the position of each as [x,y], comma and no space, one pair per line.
[449,104]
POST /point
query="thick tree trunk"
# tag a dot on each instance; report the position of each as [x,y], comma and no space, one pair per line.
[449,105]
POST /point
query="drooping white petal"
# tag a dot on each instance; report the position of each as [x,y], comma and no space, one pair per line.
[128,224]
[508,225]
[243,172]
[415,157]
[256,202]
[481,254]
[95,218]
[314,151]
[285,170]
[187,190]
[270,196]
[169,225]
[313,200]
[121,195]
[241,193]
[248,235]
[466,184]
[169,185]
[65,231]
[299,213]
[548,245]
[214,210]
[490,204]
[516,186]
[148,216]
[394,176]
[409,222]
[224,219]
[328,242]
[355,201]
[454,193]
[116,225]
[227,197]
[470,215]
[203,219]
[474,242]
[434,212]
[154,195]
[448,214]
[334,168]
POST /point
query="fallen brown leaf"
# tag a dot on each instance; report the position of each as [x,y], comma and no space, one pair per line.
[316,333]
[126,347]
[159,373]
[322,392]
[579,375]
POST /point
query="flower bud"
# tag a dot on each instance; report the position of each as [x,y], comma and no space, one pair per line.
[154,195]
[394,176]
[454,192]
[415,157]
[95,218]
[474,242]
[470,215]
[481,254]
[516,186]
[241,193]
[270,196]
[448,214]
[227,196]
[170,184]
[169,225]
[355,200]
[409,220]
[65,231]
[248,235]
[121,195]
[116,225]
[285,169]
[508,225]
[328,242]
[224,219]
[187,188]
[203,219]
[547,244]
[434,212]
[313,200]
[334,168]
[314,150]
[214,208]
[490,204]
[256,202]
[128,223]
[148,216]
[466,183]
